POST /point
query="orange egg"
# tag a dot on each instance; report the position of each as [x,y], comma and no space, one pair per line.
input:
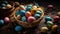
[27,14]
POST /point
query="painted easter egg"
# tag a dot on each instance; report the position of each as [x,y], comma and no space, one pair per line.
[27,14]
[37,16]
[18,28]
[23,19]
[6,19]
[1,22]
[31,19]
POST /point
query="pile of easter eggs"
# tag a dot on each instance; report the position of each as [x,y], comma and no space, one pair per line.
[5,5]
[29,15]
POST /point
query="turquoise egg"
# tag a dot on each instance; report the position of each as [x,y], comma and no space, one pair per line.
[17,13]
[47,18]
[38,12]
[37,16]
[18,28]
[23,19]
[1,22]
[22,12]
[28,8]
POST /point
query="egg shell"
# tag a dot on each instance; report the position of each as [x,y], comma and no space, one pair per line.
[31,19]
[23,19]
[47,18]
[27,14]
[18,28]
[37,16]
[6,19]
[1,22]
[22,12]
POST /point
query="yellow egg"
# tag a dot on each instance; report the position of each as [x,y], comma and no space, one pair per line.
[44,29]
[34,8]
[22,7]
[54,27]
[8,6]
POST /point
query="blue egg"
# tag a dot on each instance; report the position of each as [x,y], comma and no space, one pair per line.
[22,12]
[18,28]
[37,16]
[3,5]
[38,12]
[17,13]
[47,18]
[1,22]
[23,19]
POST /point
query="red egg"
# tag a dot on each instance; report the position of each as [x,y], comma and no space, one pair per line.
[31,19]
[56,18]
[6,19]
[27,14]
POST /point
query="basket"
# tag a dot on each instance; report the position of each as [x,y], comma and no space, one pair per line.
[7,11]
[25,24]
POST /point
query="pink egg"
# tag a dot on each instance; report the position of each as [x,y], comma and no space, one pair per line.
[27,14]
[31,19]
[6,19]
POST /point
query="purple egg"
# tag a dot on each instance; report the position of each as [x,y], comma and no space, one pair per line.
[6,19]
[31,19]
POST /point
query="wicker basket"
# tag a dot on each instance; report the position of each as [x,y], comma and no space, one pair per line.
[7,11]
[25,24]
